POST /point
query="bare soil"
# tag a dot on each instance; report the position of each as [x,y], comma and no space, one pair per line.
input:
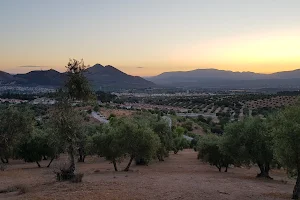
[180,176]
[118,112]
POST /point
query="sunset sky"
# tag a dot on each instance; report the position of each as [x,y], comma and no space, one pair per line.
[149,37]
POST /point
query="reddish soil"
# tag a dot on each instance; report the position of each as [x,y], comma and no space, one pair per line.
[118,112]
[181,176]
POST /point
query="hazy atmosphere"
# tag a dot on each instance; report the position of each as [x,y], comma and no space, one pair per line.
[150,37]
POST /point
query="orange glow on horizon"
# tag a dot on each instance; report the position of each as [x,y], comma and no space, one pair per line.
[261,53]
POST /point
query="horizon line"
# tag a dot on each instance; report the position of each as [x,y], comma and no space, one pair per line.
[89,66]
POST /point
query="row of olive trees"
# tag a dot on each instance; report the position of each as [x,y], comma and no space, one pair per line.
[20,137]
[140,138]
[265,142]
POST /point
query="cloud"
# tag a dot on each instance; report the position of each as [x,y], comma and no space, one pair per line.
[28,66]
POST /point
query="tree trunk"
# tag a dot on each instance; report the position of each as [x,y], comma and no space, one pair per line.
[80,159]
[296,192]
[115,165]
[130,161]
[38,164]
[72,159]
[160,158]
[226,168]
[81,155]
[45,158]
[2,160]
[50,162]
[264,171]
[5,160]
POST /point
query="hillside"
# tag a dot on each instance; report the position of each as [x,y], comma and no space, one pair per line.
[109,77]
[100,77]
[4,77]
[213,78]
[43,78]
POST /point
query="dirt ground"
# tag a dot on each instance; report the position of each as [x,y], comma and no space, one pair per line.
[118,112]
[180,176]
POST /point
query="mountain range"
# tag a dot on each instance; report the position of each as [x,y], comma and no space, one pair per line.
[100,77]
[110,78]
[213,78]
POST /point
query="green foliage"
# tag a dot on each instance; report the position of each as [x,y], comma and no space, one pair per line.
[108,144]
[179,131]
[15,125]
[249,142]
[188,125]
[209,151]
[139,140]
[96,108]
[286,129]
[67,126]
[180,143]
[77,84]
[34,147]
[165,134]
[127,137]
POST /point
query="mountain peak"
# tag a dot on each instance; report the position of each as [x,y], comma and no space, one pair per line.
[97,65]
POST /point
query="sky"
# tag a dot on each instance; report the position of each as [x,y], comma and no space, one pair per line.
[149,37]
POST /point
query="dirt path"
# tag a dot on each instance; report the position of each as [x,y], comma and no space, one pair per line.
[181,176]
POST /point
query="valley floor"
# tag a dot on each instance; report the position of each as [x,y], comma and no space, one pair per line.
[181,176]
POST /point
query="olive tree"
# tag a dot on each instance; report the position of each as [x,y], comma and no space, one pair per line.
[77,85]
[250,142]
[164,132]
[138,140]
[34,147]
[66,124]
[108,144]
[162,129]
[37,145]
[209,150]
[286,129]
[179,142]
[14,126]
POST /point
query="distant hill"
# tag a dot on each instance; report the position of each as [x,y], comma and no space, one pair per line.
[6,77]
[287,74]
[112,78]
[213,78]
[100,77]
[43,78]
